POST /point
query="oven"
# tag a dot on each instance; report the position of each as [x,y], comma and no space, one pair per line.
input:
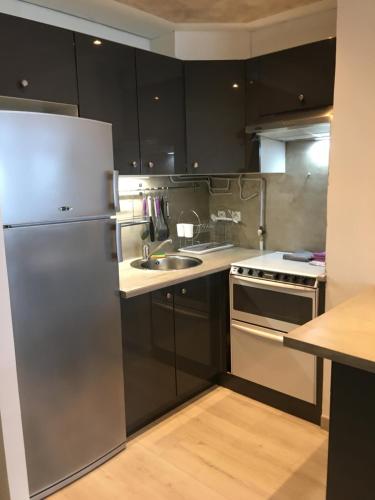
[262,312]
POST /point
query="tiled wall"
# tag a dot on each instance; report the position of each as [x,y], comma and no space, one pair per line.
[295,205]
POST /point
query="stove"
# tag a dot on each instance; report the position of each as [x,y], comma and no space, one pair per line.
[269,297]
[272,267]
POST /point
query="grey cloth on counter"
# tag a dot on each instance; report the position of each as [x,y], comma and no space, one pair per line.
[301,256]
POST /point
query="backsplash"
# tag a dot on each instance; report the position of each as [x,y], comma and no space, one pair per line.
[295,205]
[181,199]
[296,202]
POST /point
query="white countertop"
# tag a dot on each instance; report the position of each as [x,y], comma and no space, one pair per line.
[138,281]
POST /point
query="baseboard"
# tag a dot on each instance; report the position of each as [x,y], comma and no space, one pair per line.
[289,404]
[324,422]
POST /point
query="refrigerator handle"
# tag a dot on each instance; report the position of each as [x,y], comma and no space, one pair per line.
[116,194]
[120,256]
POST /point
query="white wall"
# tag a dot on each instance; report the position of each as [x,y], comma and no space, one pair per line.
[351,200]
[9,401]
[247,42]
[55,18]
[294,32]
[193,45]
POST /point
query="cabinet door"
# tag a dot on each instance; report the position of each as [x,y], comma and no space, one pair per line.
[215,116]
[293,79]
[149,351]
[37,61]
[161,113]
[107,92]
[198,334]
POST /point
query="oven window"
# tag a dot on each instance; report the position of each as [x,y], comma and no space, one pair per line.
[280,306]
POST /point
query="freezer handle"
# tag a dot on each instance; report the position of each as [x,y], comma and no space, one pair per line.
[120,257]
[116,194]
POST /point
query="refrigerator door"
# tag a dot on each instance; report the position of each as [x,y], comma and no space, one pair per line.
[54,167]
[66,318]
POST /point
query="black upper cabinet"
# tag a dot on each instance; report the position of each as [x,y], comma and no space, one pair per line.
[215,116]
[107,92]
[161,113]
[290,80]
[37,61]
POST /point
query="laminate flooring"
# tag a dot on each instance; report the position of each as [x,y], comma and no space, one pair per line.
[219,446]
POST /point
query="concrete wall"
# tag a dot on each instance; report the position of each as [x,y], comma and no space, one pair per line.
[295,202]
[351,200]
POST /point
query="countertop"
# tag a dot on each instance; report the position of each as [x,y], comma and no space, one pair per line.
[137,281]
[345,334]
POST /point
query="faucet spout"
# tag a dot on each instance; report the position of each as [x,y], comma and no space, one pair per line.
[158,247]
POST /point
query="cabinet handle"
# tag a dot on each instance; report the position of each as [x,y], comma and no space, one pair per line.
[195,164]
[24,83]
[301,97]
[169,296]
[151,164]
[183,291]
[133,164]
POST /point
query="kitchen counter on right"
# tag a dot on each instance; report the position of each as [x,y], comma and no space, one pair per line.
[346,335]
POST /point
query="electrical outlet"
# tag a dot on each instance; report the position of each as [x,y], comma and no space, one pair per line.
[236,216]
[221,213]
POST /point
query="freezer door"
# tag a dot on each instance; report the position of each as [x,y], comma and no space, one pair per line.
[54,167]
[66,317]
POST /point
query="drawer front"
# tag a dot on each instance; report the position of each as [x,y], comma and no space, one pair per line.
[258,355]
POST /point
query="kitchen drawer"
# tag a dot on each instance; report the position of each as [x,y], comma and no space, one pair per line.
[258,355]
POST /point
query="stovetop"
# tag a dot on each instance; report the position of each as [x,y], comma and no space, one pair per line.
[273,267]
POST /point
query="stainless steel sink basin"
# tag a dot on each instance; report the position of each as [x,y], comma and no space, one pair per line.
[167,263]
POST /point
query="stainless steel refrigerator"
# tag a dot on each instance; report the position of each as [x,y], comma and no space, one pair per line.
[57,196]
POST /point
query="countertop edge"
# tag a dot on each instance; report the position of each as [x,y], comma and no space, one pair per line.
[332,355]
[150,288]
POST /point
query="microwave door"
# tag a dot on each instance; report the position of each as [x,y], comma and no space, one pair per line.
[278,306]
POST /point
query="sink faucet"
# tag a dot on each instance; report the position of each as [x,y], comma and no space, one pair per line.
[146,254]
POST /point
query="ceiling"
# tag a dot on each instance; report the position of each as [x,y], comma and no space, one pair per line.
[219,11]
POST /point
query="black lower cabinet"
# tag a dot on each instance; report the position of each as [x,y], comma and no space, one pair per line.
[174,340]
[150,387]
[197,335]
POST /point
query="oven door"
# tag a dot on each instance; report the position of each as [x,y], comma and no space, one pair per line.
[278,306]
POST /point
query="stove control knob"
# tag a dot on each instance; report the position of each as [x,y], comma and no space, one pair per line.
[292,278]
[260,274]
[250,272]
[280,277]
[240,270]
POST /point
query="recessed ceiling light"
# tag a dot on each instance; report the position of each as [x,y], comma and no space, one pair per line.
[156,98]
[235,85]
[97,42]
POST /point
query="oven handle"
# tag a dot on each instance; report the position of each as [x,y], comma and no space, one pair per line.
[259,333]
[272,284]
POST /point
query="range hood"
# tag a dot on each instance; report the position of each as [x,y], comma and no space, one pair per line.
[297,126]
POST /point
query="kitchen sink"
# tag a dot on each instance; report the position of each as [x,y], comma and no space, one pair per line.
[167,263]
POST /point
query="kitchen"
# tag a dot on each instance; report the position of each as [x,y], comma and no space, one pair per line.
[226,181]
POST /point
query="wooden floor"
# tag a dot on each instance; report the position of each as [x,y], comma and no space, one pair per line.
[221,446]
